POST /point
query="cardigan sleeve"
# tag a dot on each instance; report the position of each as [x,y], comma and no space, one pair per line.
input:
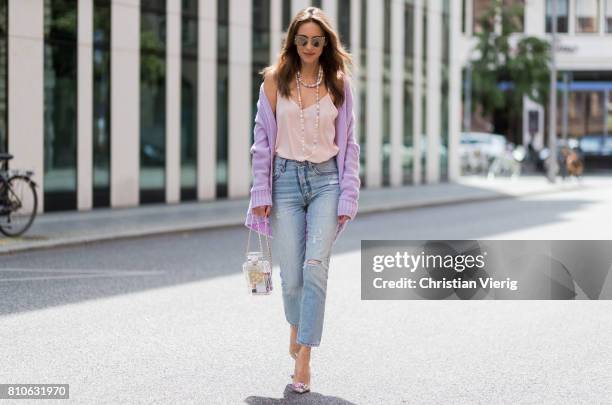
[349,190]
[260,153]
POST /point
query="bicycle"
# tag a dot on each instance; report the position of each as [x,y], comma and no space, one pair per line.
[18,199]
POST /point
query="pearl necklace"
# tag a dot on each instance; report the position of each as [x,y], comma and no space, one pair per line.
[298,78]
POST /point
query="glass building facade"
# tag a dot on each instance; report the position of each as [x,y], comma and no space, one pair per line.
[144,143]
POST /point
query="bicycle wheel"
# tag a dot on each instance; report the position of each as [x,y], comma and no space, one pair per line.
[22,204]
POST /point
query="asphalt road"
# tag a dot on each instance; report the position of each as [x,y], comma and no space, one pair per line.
[167,320]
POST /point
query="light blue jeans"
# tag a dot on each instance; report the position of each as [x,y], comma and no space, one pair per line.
[304,218]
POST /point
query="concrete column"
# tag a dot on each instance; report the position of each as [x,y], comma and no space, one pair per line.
[125,102]
[417,95]
[85,106]
[331,9]
[173,101]
[276,29]
[25,90]
[454,110]
[297,5]
[434,90]
[469,17]
[397,91]
[207,101]
[375,94]
[239,128]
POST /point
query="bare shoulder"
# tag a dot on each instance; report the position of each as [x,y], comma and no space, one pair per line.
[270,88]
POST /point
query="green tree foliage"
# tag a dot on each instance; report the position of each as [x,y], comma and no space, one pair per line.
[500,57]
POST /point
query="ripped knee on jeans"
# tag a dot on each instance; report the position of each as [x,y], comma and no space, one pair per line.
[313,262]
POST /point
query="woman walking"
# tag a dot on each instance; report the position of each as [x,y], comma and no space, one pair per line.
[305,166]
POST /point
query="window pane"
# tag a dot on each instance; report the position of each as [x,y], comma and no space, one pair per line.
[363,80]
[101,104]
[407,162]
[60,105]
[286,14]
[608,16]
[260,52]
[423,134]
[519,7]
[586,113]
[480,8]
[344,23]
[587,15]
[190,8]
[189,100]
[444,108]
[3,76]
[152,102]
[222,97]
[562,15]
[386,80]
[609,112]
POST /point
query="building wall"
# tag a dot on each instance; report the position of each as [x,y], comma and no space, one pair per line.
[390,54]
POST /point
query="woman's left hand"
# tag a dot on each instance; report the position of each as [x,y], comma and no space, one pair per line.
[343,218]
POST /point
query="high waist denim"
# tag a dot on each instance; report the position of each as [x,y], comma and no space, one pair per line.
[304,220]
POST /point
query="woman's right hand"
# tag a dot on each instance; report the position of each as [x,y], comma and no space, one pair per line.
[262,211]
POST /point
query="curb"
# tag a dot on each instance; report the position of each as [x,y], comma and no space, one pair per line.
[176,229]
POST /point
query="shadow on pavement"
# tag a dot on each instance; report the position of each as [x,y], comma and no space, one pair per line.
[40,279]
[290,397]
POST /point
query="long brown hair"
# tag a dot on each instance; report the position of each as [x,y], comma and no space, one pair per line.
[334,58]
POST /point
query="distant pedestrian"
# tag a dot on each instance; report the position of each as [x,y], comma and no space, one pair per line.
[305,167]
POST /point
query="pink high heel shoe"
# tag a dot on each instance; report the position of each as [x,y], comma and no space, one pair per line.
[300,387]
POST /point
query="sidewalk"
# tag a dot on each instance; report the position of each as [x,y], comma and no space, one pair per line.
[73,228]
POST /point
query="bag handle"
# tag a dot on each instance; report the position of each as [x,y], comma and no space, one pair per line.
[269,252]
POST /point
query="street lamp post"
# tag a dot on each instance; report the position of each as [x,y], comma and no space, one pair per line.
[552,126]
[467,110]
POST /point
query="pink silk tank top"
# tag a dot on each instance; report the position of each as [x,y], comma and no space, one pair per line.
[289,135]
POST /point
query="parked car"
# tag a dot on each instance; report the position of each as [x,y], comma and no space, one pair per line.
[408,152]
[477,150]
[598,146]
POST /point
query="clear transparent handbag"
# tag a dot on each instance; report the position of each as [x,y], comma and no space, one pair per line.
[257,268]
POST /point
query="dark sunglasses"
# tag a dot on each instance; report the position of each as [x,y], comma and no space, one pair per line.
[302,40]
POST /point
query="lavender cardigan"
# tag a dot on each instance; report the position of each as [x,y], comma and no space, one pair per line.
[263,160]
